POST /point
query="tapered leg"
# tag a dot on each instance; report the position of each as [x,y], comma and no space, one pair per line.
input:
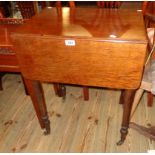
[25,88]
[149,99]
[86,93]
[56,88]
[128,98]
[36,92]
[121,97]
[60,90]
[1,85]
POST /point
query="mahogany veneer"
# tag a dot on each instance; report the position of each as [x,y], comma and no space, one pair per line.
[107,49]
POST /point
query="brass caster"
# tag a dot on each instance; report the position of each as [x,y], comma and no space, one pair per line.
[46,132]
[124,132]
[47,126]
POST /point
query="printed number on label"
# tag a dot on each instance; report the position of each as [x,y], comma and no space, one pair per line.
[70,42]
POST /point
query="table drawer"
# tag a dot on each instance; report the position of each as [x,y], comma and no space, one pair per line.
[8,62]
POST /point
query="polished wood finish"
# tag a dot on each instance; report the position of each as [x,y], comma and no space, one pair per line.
[9,63]
[25,88]
[75,22]
[149,99]
[91,71]
[1,75]
[121,100]
[86,93]
[145,7]
[60,90]
[98,57]
[57,87]
[36,92]
[149,18]
[71,3]
[128,100]
[8,59]
[7,55]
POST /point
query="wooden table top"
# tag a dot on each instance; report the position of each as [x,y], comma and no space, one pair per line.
[109,47]
[104,24]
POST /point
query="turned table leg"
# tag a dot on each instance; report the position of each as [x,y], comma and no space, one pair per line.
[1,76]
[1,87]
[149,99]
[86,93]
[128,97]
[25,88]
[60,90]
[36,92]
[121,101]
[56,88]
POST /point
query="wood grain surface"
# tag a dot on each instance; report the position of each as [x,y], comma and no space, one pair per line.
[96,59]
[87,22]
[90,62]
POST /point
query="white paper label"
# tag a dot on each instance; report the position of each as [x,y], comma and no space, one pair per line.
[70,42]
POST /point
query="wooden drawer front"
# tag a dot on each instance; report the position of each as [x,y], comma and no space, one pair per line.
[8,62]
[89,62]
